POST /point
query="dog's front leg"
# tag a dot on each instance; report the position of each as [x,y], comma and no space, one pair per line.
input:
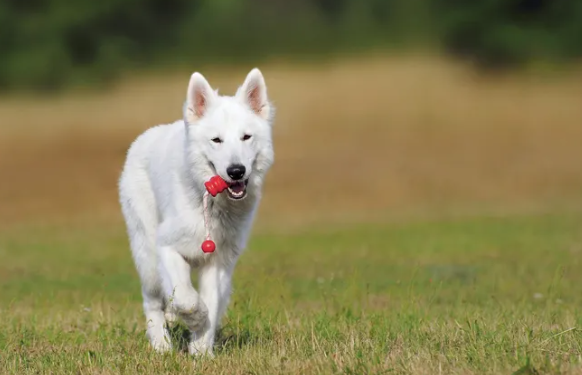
[215,288]
[182,297]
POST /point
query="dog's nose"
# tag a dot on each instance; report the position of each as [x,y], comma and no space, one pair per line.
[236,171]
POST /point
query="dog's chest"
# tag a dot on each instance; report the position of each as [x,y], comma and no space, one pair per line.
[228,227]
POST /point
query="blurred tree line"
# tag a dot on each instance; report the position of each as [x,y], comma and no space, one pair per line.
[49,44]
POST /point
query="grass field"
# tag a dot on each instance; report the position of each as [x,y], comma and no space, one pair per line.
[477,296]
[432,224]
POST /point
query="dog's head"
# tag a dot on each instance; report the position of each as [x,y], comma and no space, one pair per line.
[229,136]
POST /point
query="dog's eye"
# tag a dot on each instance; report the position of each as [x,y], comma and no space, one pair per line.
[246,137]
[216,140]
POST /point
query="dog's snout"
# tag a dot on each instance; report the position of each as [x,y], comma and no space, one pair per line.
[236,171]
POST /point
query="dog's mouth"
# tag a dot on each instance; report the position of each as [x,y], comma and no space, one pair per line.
[237,190]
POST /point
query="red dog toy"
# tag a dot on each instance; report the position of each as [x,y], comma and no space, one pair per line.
[214,186]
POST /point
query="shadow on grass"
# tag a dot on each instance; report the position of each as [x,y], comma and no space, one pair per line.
[180,336]
[226,340]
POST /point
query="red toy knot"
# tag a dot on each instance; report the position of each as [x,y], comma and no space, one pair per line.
[208,246]
[215,185]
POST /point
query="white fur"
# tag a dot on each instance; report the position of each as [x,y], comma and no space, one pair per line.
[161,189]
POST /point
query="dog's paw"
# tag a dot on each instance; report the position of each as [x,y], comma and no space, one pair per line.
[161,344]
[159,338]
[198,348]
[196,318]
[170,317]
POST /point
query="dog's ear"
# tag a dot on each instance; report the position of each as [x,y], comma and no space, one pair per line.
[198,98]
[253,92]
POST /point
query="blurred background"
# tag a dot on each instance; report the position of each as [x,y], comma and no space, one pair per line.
[386,109]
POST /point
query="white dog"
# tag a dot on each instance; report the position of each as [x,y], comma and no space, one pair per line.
[161,193]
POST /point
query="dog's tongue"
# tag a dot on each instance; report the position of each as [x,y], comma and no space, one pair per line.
[237,187]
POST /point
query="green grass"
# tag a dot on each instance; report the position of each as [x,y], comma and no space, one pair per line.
[479,296]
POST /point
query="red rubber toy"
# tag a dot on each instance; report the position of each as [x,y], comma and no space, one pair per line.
[215,185]
[208,246]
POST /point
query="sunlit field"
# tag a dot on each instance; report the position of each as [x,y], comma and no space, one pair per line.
[418,219]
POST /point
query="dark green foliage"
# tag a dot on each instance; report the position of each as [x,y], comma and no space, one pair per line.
[48,44]
[502,33]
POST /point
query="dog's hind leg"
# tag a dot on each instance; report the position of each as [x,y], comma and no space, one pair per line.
[151,288]
[157,331]
[141,226]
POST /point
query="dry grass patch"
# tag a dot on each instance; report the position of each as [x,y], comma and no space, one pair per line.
[401,135]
